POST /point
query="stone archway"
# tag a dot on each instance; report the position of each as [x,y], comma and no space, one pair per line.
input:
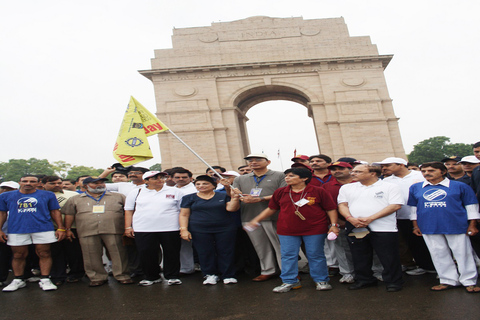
[206,83]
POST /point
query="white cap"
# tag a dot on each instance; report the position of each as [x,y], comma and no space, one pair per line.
[10,184]
[256,155]
[469,159]
[392,160]
[230,174]
[149,174]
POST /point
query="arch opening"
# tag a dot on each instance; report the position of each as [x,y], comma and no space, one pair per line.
[278,128]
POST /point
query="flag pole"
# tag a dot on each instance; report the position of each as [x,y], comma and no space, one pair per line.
[280,158]
[191,150]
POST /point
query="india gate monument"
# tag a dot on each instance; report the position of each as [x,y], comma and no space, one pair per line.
[209,79]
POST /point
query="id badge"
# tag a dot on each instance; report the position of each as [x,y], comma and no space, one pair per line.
[301,202]
[255,192]
[98,208]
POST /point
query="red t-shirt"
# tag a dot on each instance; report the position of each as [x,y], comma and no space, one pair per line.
[318,182]
[316,219]
[333,188]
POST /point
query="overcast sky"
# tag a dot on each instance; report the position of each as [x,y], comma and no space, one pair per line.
[68,68]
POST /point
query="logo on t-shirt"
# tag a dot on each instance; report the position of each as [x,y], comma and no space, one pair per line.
[27,204]
[170,196]
[379,194]
[435,197]
[311,200]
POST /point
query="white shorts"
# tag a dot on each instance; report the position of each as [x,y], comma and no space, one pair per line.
[24,239]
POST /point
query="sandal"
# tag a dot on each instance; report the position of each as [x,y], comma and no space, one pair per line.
[441,287]
[472,289]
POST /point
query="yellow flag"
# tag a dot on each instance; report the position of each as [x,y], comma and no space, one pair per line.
[138,124]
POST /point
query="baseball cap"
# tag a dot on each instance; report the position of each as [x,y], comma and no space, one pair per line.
[454,158]
[230,174]
[150,174]
[300,156]
[10,184]
[392,160]
[93,179]
[341,164]
[470,159]
[256,155]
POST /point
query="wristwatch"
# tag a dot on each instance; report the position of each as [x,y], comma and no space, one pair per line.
[334,225]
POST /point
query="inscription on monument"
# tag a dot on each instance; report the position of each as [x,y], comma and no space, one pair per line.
[259,34]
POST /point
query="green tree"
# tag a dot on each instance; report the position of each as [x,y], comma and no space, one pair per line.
[437,148]
[156,167]
[77,171]
[61,168]
[14,169]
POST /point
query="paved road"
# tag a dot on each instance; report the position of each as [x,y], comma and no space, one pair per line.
[246,300]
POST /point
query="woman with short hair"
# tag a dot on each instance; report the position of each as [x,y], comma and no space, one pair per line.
[207,218]
[305,214]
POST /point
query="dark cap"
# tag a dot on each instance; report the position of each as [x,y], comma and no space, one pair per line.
[93,179]
[300,156]
[347,160]
[454,158]
[342,164]
[301,165]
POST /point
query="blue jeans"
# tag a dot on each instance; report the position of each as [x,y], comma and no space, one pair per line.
[290,247]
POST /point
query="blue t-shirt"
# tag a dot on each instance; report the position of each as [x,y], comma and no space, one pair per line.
[441,209]
[210,215]
[29,213]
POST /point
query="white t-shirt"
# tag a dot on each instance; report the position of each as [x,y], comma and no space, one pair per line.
[188,189]
[363,201]
[404,185]
[155,211]
[123,187]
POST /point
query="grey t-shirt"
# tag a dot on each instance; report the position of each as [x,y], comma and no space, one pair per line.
[271,181]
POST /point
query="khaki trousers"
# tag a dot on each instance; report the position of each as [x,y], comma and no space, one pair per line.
[92,250]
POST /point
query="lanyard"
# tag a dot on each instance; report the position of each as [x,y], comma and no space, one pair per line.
[297,208]
[257,182]
[322,180]
[98,201]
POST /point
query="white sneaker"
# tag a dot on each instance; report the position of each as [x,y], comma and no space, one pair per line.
[230,281]
[285,287]
[348,278]
[171,282]
[210,279]
[47,285]
[416,272]
[323,286]
[146,283]
[15,285]
[33,279]
[378,276]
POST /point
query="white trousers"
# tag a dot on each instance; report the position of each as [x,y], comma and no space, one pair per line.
[343,254]
[440,246]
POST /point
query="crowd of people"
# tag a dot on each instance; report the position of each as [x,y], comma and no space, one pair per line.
[367,223]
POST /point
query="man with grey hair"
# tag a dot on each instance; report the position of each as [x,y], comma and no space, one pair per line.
[369,206]
[257,188]
[99,216]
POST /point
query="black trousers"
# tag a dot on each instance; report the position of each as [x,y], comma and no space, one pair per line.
[148,246]
[416,244]
[385,245]
[67,253]
[216,252]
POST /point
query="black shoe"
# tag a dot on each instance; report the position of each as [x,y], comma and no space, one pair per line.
[393,288]
[362,285]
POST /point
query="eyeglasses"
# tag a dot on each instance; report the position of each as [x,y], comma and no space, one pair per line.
[358,171]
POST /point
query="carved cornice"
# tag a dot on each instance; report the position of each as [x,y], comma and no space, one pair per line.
[269,68]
